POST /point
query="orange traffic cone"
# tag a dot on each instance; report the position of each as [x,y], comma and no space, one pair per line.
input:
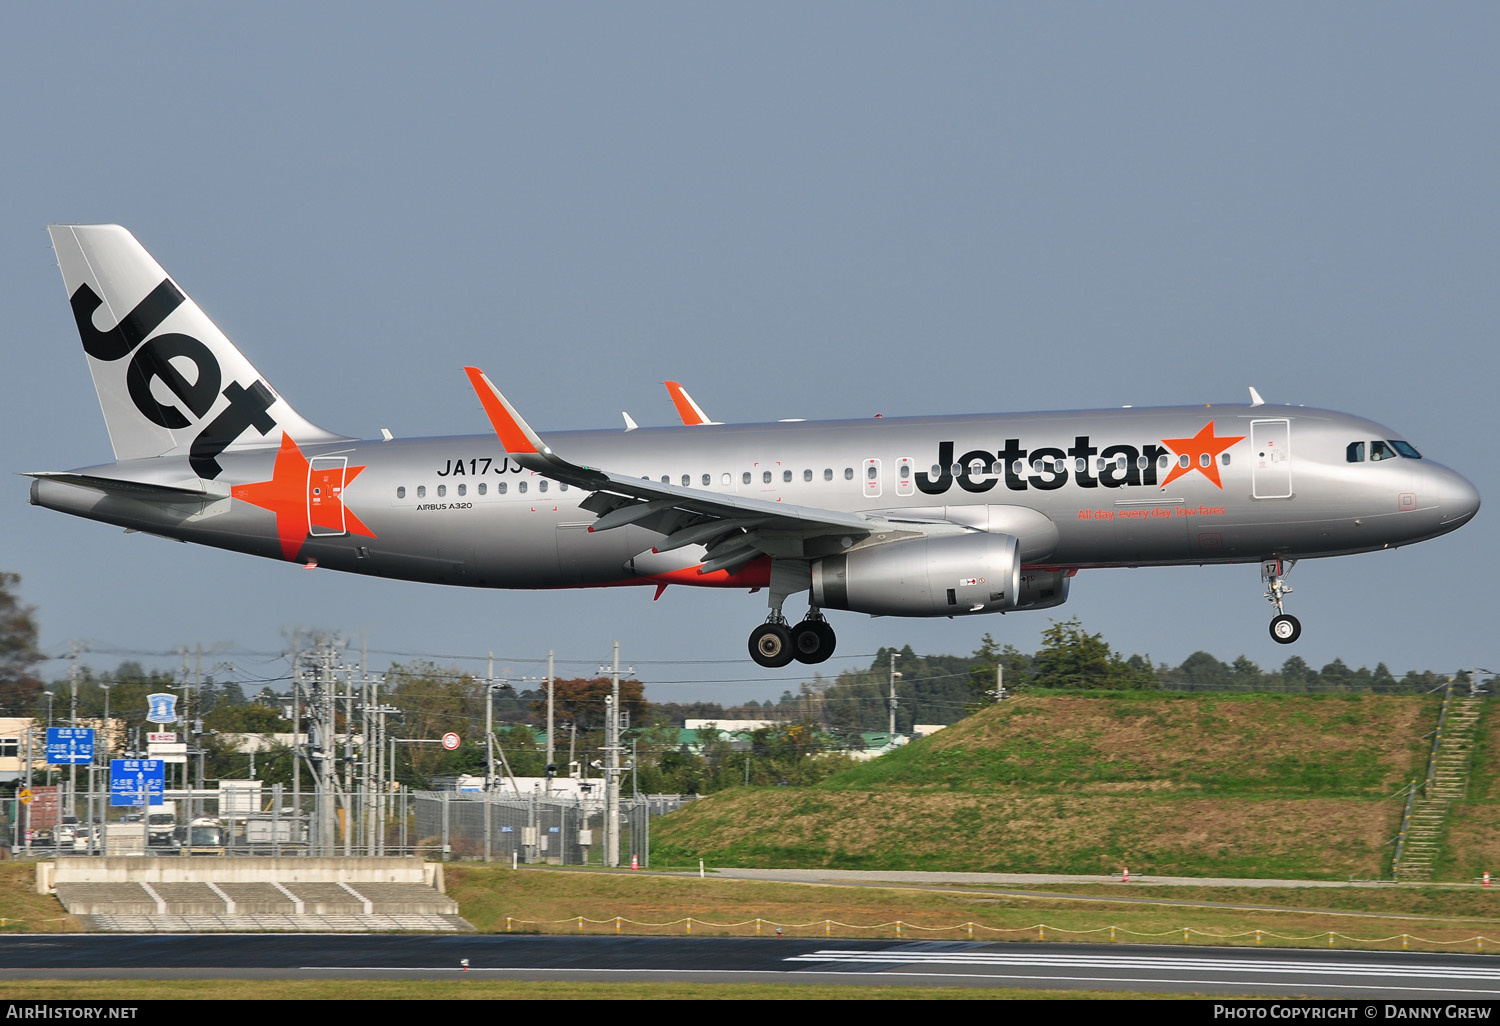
[635,862]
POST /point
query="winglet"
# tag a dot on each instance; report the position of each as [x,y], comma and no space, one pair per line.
[1255,399]
[514,433]
[691,413]
[630,424]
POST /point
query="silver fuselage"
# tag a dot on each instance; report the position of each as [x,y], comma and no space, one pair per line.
[457,510]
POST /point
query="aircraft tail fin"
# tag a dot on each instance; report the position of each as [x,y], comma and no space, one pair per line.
[170,382]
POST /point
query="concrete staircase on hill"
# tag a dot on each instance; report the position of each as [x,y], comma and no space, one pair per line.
[1447,781]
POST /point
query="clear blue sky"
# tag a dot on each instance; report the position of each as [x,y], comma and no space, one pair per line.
[799,210]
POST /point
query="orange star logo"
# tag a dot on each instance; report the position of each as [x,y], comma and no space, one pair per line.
[303,498]
[1204,444]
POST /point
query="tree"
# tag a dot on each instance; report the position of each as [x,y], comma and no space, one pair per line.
[1018,666]
[581,701]
[18,652]
[1073,658]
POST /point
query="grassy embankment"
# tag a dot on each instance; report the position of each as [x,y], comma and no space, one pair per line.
[1472,842]
[1259,786]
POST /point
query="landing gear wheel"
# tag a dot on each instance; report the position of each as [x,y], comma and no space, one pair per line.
[813,641]
[1285,629]
[771,645]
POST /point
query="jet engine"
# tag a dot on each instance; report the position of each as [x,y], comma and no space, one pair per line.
[1043,589]
[949,575]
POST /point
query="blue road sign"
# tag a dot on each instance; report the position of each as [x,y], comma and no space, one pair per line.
[130,779]
[70,746]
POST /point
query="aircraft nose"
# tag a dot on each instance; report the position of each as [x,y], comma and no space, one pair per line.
[1459,499]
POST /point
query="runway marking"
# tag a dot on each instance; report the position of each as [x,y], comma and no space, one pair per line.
[1002,959]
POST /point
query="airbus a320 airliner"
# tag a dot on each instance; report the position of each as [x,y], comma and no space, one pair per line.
[920,516]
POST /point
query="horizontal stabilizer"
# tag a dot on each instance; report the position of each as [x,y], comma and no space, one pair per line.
[135,489]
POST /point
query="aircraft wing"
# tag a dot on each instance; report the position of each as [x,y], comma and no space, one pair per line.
[735,529]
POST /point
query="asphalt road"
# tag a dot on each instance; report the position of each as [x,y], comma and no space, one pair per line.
[1208,971]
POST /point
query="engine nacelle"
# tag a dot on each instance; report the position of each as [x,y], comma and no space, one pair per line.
[1043,589]
[949,575]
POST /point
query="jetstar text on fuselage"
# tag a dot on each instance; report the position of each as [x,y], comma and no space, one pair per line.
[1085,464]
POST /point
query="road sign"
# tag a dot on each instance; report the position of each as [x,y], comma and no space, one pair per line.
[131,780]
[26,795]
[161,708]
[161,737]
[450,741]
[70,746]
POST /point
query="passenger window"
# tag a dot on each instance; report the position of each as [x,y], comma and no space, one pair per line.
[1205,460]
[541,485]
[463,489]
[956,470]
[401,492]
[686,481]
[666,479]
[807,475]
[745,477]
[827,473]
[521,487]
[1380,451]
[786,475]
[1080,465]
[442,491]
[562,486]
[1141,462]
[870,473]
[1224,458]
[1184,461]
[1162,461]
[726,479]
[848,473]
[500,488]
[937,472]
[483,488]
[707,480]
[765,477]
[905,471]
[421,491]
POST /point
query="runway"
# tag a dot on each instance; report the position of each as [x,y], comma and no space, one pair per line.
[1209,971]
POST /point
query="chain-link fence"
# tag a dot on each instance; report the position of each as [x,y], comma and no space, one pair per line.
[245,819]
[555,830]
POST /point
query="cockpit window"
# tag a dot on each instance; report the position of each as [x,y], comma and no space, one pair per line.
[1355,453]
[1406,450]
[1381,451]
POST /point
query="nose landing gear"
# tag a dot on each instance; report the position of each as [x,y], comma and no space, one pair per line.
[1285,628]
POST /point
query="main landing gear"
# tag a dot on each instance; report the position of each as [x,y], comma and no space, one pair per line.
[774,644]
[1285,628]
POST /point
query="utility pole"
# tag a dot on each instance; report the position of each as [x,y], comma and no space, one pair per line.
[327,780]
[297,728]
[489,735]
[73,650]
[612,768]
[891,737]
[551,764]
